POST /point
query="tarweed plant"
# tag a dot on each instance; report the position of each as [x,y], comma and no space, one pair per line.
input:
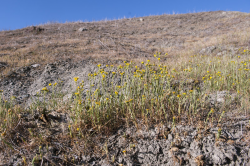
[150,92]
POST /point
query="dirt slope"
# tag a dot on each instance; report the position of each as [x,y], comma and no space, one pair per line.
[33,57]
[122,39]
[114,41]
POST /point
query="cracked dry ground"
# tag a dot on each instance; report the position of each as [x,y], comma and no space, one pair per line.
[155,145]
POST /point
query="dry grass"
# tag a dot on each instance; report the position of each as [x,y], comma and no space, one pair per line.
[147,94]
[122,39]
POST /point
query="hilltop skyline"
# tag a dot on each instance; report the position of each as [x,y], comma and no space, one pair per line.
[15,14]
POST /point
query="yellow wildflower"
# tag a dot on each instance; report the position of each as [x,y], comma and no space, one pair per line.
[3,134]
[45,89]
[76,78]
[97,103]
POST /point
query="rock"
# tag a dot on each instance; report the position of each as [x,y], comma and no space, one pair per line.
[221,53]
[208,50]
[219,157]
[67,97]
[154,148]
[170,137]
[34,29]
[35,65]
[141,19]
[82,29]
[221,96]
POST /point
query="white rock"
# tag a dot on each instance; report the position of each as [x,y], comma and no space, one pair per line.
[82,29]
[35,65]
[67,97]
[141,19]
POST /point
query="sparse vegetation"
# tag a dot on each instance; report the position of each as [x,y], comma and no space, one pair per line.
[148,93]
[140,92]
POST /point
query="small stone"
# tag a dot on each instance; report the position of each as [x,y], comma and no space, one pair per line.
[170,137]
[82,29]
[220,96]
[67,97]
[208,50]
[141,19]
[120,159]
[35,65]
[174,149]
[231,142]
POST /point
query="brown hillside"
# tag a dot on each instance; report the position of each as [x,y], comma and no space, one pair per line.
[70,95]
[128,39]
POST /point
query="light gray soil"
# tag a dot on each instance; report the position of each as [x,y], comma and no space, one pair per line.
[156,145]
[25,82]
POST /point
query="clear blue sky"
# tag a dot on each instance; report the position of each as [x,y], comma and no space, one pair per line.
[16,14]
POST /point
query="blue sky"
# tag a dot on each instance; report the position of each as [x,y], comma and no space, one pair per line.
[16,14]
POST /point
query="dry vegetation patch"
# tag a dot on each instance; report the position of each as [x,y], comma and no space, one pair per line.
[154,89]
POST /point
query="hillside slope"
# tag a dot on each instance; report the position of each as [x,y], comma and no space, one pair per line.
[123,39]
[168,89]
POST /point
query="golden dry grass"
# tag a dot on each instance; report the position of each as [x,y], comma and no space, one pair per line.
[124,39]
